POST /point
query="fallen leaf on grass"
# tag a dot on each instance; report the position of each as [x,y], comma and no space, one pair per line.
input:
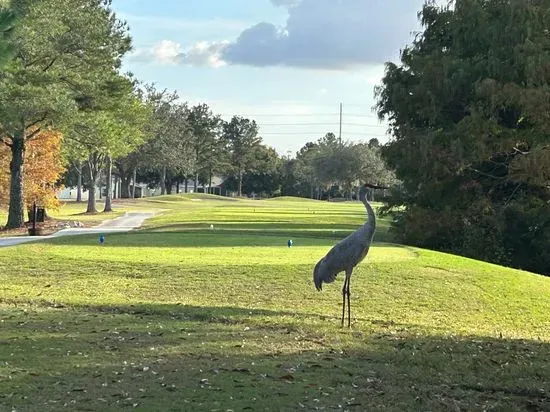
[288,377]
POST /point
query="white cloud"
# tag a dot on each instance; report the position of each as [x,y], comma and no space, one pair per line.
[318,34]
[168,52]
[205,54]
[328,34]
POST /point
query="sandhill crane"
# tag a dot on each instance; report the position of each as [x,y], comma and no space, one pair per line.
[347,254]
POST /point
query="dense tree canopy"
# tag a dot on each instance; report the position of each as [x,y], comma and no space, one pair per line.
[241,141]
[334,167]
[168,149]
[110,124]
[44,167]
[469,111]
[57,55]
[7,20]
[206,145]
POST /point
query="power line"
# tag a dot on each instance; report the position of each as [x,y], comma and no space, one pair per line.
[309,134]
[301,115]
[360,115]
[325,124]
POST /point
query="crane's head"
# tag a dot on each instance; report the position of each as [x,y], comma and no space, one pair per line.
[363,189]
[371,186]
[320,274]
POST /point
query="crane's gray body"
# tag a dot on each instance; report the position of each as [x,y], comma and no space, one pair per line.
[347,253]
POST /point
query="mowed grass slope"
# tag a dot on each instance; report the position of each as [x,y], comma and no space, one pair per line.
[181,317]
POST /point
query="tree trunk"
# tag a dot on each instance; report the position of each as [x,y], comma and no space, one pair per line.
[240,185]
[134,183]
[108,206]
[125,182]
[186,185]
[16,214]
[94,166]
[114,187]
[124,178]
[91,199]
[79,183]
[210,182]
[196,183]
[177,186]
[163,181]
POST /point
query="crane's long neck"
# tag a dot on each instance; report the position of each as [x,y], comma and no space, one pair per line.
[370,225]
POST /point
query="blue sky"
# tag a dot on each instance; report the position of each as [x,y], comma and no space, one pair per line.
[285,63]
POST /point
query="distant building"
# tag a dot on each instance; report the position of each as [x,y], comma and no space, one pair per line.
[69,193]
[142,190]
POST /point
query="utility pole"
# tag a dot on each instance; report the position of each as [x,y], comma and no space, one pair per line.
[341,112]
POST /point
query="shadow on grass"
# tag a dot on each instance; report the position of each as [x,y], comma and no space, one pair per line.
[228,315]
[145,358]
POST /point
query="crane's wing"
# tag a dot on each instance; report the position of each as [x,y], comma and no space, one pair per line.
[345,255]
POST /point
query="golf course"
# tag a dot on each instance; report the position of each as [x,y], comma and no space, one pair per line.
[207,308]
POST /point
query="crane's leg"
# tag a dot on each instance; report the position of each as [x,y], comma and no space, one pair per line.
[344,288]
[348,277]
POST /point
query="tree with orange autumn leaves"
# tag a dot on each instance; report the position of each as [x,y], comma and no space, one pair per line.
[43,167]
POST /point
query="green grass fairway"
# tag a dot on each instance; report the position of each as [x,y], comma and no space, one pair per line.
[181,317]
[71,211]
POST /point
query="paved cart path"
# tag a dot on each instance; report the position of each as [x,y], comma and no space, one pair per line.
[126,223]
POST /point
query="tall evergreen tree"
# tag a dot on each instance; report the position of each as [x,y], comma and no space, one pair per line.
[60,47]
[469,110]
